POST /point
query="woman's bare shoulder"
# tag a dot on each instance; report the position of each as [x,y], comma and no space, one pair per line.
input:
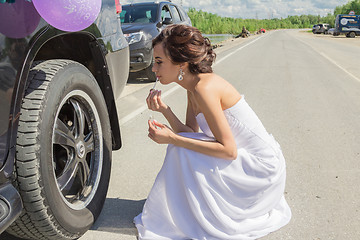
[208,81]
[216,88]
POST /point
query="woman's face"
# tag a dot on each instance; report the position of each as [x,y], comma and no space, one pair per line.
[165,70]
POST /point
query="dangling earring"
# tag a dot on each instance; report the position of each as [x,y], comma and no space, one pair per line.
[181,75]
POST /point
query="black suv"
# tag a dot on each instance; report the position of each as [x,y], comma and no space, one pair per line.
[58,119]
[141,23]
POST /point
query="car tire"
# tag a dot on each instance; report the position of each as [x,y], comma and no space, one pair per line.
[63,152]
[149,73]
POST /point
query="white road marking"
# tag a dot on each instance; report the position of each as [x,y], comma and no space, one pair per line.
[342,68]
[144,107]
[331,60]
[240,48]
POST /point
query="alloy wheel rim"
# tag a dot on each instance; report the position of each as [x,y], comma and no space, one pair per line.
[77,147]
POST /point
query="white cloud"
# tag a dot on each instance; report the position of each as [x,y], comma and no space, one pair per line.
[259,8]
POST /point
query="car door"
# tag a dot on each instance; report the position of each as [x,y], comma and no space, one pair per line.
[179,15]
[175,15]
[185,18]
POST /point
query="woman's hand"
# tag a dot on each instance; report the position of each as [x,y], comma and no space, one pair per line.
[154,101]
[160,133]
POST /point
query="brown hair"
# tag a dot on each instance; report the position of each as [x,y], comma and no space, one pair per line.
[184,43]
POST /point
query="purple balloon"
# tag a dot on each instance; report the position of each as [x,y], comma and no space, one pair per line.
[68,15]
[18,19]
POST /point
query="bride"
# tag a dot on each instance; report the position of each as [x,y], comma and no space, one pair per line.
[225,182]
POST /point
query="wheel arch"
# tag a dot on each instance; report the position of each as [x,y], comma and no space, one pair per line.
[90,53]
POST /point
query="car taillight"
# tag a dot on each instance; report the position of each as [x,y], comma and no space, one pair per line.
[118,6]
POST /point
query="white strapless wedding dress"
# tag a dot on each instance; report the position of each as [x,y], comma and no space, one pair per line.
[196,196]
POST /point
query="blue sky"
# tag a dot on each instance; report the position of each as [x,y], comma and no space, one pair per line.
[260,9]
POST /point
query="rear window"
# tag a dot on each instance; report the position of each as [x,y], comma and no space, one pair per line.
[138,14]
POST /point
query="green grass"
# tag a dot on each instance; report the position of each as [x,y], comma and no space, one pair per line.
[210,23]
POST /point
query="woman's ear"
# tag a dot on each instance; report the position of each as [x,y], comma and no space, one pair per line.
[184,66]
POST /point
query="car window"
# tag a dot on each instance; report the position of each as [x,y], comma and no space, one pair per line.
[138,14]
[165,13]
[175,13]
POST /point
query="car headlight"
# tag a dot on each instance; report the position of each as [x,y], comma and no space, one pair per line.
[134,37]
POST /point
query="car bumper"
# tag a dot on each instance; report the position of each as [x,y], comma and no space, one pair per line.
[140,56]
[10,205]
[138,62]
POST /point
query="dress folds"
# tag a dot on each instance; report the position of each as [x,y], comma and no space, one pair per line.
[197,196]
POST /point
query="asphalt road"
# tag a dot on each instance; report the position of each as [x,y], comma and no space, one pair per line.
[306,90]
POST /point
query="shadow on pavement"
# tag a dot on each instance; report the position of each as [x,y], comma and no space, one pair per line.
[117,216]
[137,78]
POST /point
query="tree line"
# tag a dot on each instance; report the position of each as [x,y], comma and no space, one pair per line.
[350,6]
[210,23]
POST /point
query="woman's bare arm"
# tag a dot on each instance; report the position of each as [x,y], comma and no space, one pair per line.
[209,101]
[155,103]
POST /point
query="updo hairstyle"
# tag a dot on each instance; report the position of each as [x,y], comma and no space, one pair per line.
[184,43]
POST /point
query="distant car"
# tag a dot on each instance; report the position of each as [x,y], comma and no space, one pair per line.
[141,23]
[320,28]
[331,31]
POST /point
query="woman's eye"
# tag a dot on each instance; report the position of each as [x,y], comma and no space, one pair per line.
[159,62]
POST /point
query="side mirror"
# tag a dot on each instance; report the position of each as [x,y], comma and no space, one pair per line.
[159,24]
[167,21]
